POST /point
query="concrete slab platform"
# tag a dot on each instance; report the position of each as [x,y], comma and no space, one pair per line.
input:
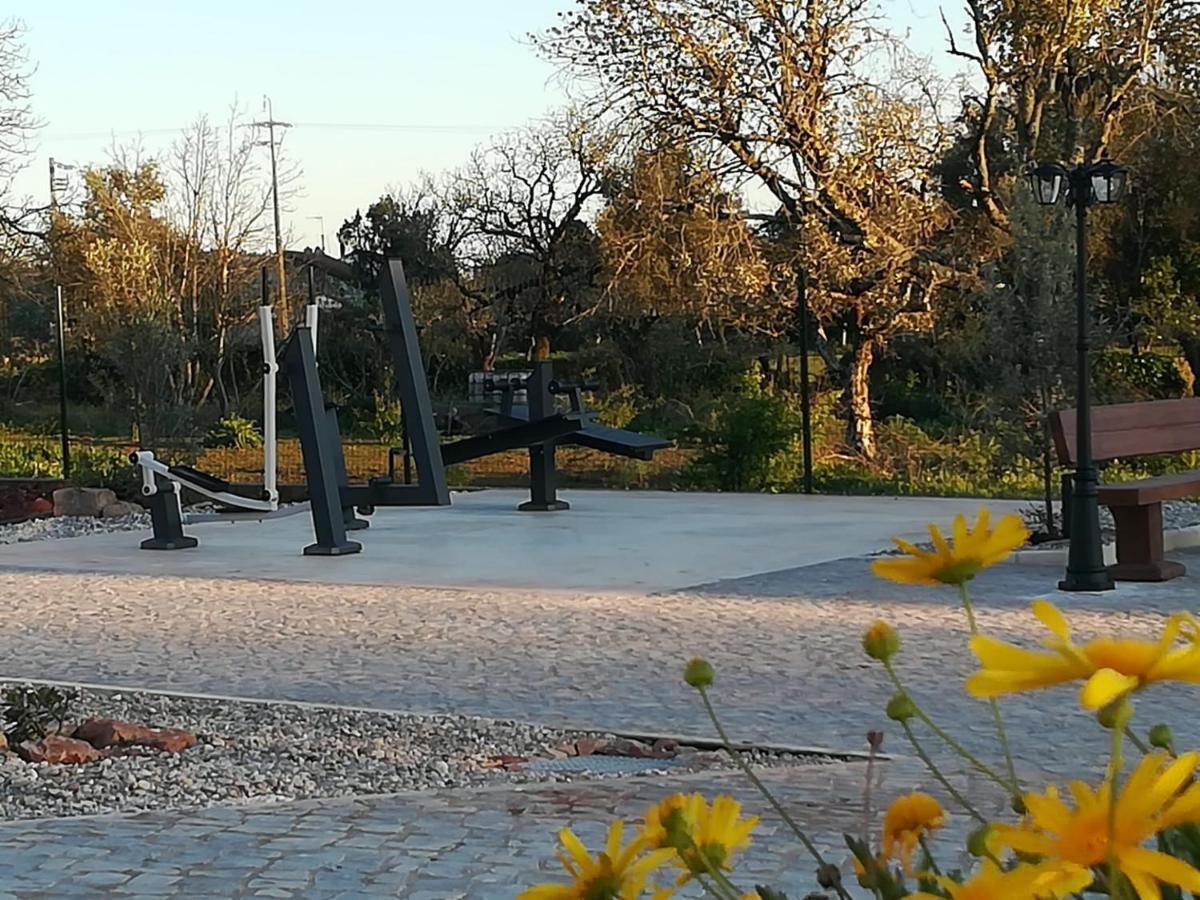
[609,541]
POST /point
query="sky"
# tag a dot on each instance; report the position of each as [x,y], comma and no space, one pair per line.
[377,90]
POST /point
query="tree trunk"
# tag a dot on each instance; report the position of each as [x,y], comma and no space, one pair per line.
[860,424]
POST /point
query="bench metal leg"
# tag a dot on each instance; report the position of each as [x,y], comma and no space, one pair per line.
[1140,545]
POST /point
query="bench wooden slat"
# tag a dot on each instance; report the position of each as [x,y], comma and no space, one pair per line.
[1131,429]
[1151,490]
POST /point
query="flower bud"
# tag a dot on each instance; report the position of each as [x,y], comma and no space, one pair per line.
[977,841]
[1161,737]
[699,673]
[829,876]
[1115,714]
[901,708]
[881,641]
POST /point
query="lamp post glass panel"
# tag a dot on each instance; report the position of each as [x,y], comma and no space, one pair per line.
[1087,183]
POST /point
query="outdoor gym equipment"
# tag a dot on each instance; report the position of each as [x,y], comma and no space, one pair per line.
[162,483]
[334,503]
[541,389]
[538,427]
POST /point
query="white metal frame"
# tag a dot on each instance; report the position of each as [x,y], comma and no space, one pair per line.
[152,467]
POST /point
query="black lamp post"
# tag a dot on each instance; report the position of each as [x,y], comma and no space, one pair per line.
[1088,183]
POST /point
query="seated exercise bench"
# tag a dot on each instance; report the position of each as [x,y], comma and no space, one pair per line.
[1122,431]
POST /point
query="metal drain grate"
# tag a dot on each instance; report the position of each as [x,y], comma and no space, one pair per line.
[602,765]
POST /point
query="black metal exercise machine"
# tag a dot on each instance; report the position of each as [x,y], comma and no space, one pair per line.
[335,503]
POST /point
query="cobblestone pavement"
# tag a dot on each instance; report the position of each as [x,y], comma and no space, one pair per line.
[789,671]
[483,845]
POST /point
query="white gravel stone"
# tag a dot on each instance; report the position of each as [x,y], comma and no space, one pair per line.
[280,752]
[69,527]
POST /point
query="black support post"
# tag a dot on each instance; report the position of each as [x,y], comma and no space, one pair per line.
[60,332]
[332,435]
[409,369]
[543,473]
[805,388]
[324,493]
[166,518]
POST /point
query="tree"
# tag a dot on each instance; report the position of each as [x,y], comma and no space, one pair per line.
[219,197]
[1149,248]
[124,258]
[424,225]
[782,87]
[1059,78]
[1014,342]
[675,242]
[525,200]
[17,122]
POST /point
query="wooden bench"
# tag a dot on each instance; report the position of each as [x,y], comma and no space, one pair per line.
[1122,431]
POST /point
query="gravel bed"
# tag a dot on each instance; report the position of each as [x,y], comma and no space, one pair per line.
[68,527]
[275,752]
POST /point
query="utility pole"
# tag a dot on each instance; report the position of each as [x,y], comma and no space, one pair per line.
[281,275]
[320,220]
[58,183]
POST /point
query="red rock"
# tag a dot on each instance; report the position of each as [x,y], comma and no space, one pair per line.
[589,746]
[170,740]
[39,506]
[102,733]
[56,748]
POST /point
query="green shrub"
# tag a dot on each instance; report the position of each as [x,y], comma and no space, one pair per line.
[1121,376]
[26,456]
[618,408]
[750,445]
[30,713]
[105,467]
[233,432]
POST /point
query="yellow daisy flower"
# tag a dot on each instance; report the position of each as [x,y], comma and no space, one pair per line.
[1149,802]
[703,838]
[906,821]
[958,561]
[1109,667]
[1046,881]
[617,873]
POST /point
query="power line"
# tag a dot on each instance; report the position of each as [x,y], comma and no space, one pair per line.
[332,126]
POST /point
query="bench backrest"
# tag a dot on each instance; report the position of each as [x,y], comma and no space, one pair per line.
[1131,429]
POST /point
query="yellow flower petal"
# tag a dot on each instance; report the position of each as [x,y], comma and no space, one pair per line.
[1161,866]
[958,559]
[1051,616]
[1105,686]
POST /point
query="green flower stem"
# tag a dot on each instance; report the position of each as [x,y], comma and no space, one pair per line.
[954,745]
[1123,713]
[713,871]
[942,779]
[1143,748]
[762,789]
[933,866]
[996,717]
[717,890]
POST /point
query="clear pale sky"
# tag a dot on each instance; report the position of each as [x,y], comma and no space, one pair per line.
[420,82]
